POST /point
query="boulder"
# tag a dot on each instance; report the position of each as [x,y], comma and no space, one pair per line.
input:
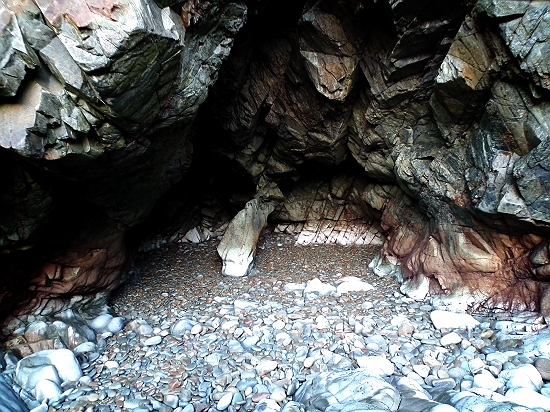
[56,365]
[347,389]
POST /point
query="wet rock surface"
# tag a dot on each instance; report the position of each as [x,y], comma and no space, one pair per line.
[285,338]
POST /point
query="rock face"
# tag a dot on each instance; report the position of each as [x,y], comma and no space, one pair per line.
[419,123]
[96,134]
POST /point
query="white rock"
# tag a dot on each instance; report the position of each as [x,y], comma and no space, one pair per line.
[377,365]
[29,376]
[238,244]
[278,324]
[230,324]
[111,364]
[524,376]
[46,390]
[100,323]
[529,398]
[353,284]
[405,383]
[213,359]
[416,377]
[316,286]
[224,401]
[36,331]
[356,385]
[476,365]
[442,407]
[450,339]
[182,326]
[266,366]
[85,380]
[188,408]
[398,320]
[85,347]
[497,356]
[141,327]
[278,395]
[487,381]
[486,393]
[244,304]
[63,360]
[116,324]
[417,290]
[297,288]
[321,322]
[267,404]
[195,330]
[422,370]
[449,320]
[308,362]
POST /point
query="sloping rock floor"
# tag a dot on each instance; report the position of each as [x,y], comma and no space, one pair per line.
[311,329]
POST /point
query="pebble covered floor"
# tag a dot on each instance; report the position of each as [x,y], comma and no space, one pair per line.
[194,340]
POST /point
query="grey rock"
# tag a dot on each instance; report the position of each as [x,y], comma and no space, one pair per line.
[543,367]
[325,389]
[181,326]
[152,341]
[9,400]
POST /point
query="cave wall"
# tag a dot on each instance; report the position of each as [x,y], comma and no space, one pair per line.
[125,123]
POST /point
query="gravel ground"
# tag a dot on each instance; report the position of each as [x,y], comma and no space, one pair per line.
[189,275]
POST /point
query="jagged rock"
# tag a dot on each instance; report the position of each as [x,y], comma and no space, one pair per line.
[462,84]
[525,33]
[238,245]
[328,55]
[16,54]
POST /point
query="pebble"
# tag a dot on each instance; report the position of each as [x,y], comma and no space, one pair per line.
[450,339]
[152,341]
[270,343]
[224,401]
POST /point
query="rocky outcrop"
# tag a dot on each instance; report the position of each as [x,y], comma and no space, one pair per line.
[96,133]
[419,123]
[438,107]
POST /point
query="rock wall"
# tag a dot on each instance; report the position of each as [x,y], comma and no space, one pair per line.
[419,122]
